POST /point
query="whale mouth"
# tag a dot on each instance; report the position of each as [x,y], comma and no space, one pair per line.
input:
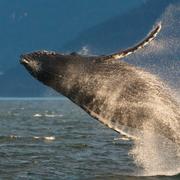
[25,59]
[31,64]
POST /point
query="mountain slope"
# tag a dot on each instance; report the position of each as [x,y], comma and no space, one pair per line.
[117,33]
[121,31]
[44,24]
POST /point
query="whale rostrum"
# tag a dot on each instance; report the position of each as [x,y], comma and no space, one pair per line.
[126,98]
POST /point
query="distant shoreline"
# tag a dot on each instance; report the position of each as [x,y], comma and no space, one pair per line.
[32,98]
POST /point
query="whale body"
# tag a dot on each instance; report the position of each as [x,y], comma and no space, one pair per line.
[121,96]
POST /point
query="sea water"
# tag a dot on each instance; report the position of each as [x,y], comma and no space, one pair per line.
[43,138]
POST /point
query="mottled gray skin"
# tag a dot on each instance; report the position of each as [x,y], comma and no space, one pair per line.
[123,97]
[114,92]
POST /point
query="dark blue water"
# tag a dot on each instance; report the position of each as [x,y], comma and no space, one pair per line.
[54,139]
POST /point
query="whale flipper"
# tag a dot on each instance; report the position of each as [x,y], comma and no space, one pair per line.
[131,50]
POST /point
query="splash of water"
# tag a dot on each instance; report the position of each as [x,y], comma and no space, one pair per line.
[84,51]
[154,153]
[162,55]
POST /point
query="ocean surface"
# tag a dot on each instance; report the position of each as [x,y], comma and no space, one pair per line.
[51,138]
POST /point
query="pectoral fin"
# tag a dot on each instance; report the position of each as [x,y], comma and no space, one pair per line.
[131,50]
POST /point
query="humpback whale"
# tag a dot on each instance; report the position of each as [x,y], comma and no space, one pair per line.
[121,96]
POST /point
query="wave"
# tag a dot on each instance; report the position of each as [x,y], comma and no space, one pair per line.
[16,137]
[47,115]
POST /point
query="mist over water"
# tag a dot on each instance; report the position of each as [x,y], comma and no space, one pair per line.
[156,154]
[161,57]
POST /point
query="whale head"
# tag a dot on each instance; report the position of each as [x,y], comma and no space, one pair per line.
[42,64]
[51,68]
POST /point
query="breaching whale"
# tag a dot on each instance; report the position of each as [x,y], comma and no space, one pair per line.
[123,97]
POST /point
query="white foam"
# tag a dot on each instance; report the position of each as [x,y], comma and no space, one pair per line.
[84,51]
[37,115]
[53,115]
[14,136]
[36,137]
[49,138]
